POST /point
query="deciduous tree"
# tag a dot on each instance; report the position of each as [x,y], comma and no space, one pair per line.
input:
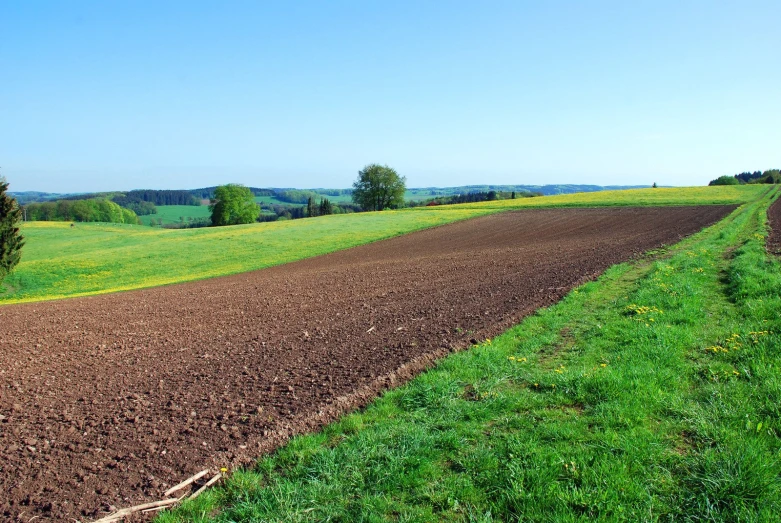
[725,180]
[233,204]
[379,187]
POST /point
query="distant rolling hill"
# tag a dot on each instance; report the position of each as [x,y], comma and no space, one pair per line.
[415,193]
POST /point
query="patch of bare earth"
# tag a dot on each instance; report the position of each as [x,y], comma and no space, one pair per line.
[109,400]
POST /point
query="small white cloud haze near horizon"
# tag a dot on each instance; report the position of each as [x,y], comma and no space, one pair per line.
[99,97]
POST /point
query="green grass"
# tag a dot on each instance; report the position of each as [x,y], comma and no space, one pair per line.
[651,394]
[171,214]
[271,199]
[59,261]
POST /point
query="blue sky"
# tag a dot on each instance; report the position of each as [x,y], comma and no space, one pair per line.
[134,94]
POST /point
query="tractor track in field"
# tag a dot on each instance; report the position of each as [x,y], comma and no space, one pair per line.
[107,401]
[774,220]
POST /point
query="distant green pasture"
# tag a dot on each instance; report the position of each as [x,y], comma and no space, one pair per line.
[174,213]
[271,200]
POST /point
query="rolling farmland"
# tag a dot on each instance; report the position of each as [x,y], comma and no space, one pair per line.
[61,261]
[164,381]
[649,394]
[114,398]
[373,262]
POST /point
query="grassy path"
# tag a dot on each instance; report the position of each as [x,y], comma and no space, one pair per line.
[649,395]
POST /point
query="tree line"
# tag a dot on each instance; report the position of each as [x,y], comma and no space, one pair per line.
[90,210]
[295,195]
[300,196]
[207,193]
[473,197]
[138,206]
[769,176]
[161,197]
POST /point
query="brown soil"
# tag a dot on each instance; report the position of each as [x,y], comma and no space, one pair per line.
[774,220]
[108,400]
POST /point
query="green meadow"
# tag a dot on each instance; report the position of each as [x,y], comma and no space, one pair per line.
[651,394]
[172,214]
[271,199]
[61,261]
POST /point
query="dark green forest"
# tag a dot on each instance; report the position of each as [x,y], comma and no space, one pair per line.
[769,176]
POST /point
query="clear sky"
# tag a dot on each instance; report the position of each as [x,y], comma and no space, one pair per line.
[166,94]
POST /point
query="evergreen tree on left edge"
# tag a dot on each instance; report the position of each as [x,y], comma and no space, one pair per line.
[11,241]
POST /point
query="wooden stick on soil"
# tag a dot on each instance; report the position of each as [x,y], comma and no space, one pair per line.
[116,516]
[185,482]
[153,509]
[208,484]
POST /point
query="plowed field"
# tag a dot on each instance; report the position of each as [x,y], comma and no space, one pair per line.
[109,400]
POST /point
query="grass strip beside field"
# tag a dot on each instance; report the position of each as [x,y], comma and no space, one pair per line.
[648,395]
[61,261]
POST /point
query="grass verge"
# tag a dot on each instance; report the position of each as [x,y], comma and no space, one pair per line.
[59,261]
[651,394]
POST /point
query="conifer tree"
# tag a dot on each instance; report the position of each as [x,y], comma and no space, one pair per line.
[326,207]
[11,241]
[311,207]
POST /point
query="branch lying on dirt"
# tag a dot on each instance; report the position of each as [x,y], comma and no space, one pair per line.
[116,516]
[165,503]
[208,484]
[186,482]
